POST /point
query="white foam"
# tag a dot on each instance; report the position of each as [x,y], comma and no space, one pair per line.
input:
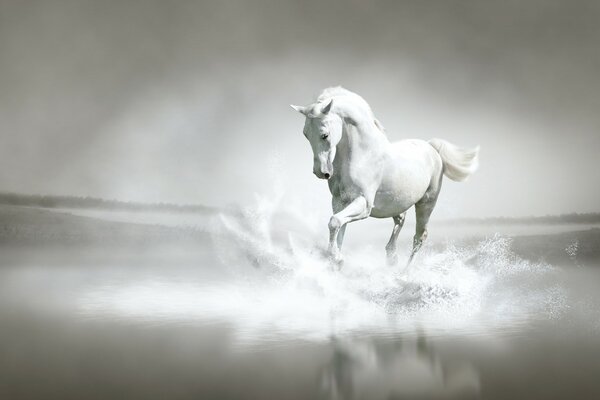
[281,284]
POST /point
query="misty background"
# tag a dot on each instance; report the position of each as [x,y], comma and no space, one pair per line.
[187,101]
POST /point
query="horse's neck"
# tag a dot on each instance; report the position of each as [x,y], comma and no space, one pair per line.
[361,141]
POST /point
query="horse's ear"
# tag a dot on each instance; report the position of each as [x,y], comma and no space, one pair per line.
[300,109]
[327,108]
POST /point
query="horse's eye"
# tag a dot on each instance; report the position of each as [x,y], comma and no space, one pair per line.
[324,136]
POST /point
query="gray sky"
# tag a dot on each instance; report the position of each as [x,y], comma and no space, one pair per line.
[184,101]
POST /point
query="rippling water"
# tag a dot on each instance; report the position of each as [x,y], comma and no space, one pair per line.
[258,312]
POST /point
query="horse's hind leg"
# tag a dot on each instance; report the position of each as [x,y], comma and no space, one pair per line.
[423,210]
[390,247]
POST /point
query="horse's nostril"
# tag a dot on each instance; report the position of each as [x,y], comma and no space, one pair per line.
[326,175]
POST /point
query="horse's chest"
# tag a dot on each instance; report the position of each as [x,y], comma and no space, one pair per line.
[344,190]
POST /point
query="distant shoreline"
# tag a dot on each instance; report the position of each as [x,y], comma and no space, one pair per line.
[53,202]
[44,201]
[571,218]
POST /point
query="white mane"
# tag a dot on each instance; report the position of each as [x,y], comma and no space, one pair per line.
[338,91]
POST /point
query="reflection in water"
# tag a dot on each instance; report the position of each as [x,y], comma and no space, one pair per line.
[410,368]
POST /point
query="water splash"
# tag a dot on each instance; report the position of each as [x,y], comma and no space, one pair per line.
[280,283]
[572,250]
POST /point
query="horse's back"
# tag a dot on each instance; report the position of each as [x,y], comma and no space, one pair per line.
[412,166]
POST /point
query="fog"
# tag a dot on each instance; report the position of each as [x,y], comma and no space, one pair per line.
[187,102]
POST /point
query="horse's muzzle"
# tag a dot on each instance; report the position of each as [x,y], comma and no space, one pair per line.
[323,175]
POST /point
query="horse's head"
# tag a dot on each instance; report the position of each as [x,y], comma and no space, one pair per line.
[323,129]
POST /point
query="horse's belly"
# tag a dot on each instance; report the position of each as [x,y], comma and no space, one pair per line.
[400,189]
[388,204]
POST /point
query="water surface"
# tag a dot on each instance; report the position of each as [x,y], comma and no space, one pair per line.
[255,311]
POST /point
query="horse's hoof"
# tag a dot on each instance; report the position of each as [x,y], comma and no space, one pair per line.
[337,262]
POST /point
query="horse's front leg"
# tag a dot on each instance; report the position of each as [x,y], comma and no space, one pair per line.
[356,210]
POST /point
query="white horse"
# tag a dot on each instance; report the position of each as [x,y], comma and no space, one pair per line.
[368,175]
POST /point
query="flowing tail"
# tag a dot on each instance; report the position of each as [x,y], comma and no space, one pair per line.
[459,163]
